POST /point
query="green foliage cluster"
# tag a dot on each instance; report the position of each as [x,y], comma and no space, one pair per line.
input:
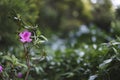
[80,60]
[85,59]
[14,62]
[26,8]
[104,14]
[86,53]
[64,14]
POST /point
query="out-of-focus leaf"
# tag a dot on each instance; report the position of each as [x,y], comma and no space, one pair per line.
[7,58]
[23,65]
[111,44]
[69,74]
[93,77]
[39,69]
[38,32]
[44,38]
[115,43]
[116,52]
[1,53]
[104,64]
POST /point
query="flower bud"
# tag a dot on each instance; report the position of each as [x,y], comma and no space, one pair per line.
[1,68]
[19,75]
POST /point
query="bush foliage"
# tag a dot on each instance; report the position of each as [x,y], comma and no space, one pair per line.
[83,40]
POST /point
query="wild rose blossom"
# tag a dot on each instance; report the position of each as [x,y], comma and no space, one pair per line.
[25,36]
[1,68]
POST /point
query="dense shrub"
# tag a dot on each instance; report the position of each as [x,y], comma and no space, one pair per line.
[73,53]
[26,8]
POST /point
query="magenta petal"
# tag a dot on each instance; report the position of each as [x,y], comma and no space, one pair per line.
[29,40]
[22,40]
[1,69]
[25,36]
[29,34]
[21,35]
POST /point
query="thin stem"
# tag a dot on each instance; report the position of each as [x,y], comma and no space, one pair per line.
[1,76]
[27,62]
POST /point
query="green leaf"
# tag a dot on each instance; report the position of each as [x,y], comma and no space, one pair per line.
[7,58]
[69,74]
[23,65]
[38,32]
[115,50]
[14,60]
[93,77]
[44,38]
[38,69]
[115,43]
[105,63]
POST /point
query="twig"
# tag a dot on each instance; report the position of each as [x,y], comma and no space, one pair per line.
[1,76]
[27,62]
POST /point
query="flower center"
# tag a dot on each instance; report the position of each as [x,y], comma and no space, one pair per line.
[26,35]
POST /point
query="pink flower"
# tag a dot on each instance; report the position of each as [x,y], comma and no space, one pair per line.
[25,36]
[1,68]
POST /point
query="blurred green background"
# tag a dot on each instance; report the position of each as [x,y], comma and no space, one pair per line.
[74,28]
